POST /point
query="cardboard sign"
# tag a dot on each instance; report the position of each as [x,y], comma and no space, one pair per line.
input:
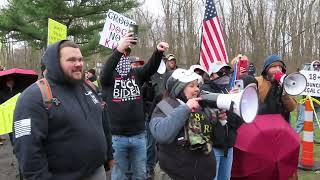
[56,31]
[313,83]
[6,114]
[114,29]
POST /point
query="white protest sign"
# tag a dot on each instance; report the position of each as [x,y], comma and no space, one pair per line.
[313,83]
[116,26]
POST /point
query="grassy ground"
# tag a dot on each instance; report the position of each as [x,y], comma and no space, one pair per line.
[308,175]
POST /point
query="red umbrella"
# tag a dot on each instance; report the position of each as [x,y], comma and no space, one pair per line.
[22,77]
[268,148]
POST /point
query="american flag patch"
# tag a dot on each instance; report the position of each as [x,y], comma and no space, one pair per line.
[22,127]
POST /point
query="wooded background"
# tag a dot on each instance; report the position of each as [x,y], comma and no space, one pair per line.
[256,28]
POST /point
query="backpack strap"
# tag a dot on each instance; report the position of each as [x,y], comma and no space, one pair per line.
[45,92]
[165,107]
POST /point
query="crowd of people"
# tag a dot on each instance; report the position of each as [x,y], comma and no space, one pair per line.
[139,120]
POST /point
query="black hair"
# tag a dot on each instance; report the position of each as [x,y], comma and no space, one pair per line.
[247,79]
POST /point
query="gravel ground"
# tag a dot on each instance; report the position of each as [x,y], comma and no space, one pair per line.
[8,162]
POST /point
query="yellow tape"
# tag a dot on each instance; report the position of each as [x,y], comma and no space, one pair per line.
[312,100]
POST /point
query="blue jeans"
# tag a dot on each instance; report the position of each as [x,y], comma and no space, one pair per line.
[224,164]
[151,150]
[300,119]
[129,150]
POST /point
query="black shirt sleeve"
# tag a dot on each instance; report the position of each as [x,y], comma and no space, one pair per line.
[151,67]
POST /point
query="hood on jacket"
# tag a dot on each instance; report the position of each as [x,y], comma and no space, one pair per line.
[51,60]
[271,59]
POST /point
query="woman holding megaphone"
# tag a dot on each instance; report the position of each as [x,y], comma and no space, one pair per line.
[183,130]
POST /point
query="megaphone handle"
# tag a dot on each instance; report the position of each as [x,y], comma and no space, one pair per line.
[231,106]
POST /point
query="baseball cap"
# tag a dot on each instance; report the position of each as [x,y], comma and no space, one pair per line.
[171,57]
[197,66]
[216,66]
[135,59]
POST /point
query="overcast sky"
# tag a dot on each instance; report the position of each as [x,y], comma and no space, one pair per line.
[153,6]
[3,2]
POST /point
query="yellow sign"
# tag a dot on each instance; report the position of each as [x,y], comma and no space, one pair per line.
[6,114]
[56,31]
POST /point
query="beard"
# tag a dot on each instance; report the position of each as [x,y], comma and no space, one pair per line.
[73,81]
[270,77]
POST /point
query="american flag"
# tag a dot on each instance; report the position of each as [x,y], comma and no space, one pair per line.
[212,45]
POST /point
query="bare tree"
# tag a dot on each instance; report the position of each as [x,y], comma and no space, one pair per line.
[256,28]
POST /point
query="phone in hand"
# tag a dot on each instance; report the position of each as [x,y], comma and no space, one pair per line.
[134,29]
[244,64]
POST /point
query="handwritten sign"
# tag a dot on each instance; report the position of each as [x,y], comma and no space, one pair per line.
[313,83]
[6,114]
[56,31]
[116,26]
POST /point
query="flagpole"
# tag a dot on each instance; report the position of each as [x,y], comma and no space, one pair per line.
[201,33]
[200,42]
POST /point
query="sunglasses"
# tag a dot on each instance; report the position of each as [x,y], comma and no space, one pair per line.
[223,72]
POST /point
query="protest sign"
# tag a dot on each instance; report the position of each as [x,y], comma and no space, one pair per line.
[115,27]
[313,83]
[56,31]
[6,114]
